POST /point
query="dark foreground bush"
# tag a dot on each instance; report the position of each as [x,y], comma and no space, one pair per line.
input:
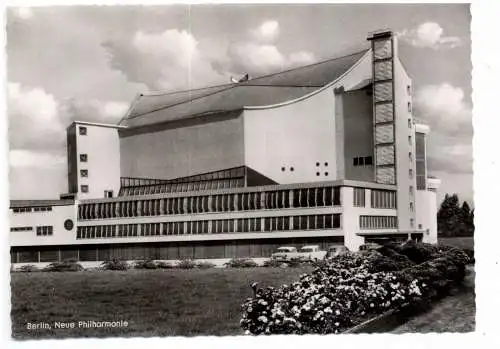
[114,264]
[69,265]
[241,263]
[146,264]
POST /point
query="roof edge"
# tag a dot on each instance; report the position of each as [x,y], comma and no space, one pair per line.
[321,89]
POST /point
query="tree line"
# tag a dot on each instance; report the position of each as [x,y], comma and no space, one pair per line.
[454,219]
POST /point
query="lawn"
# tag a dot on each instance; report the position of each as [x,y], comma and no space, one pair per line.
[455,313]
[460,242]
[153,302]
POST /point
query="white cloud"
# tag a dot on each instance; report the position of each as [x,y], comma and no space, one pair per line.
[114,109]
[429,34]
[32,106]
[33,158]
[258,56]
[173,58]
[267,32]
[23,12]
[443,104]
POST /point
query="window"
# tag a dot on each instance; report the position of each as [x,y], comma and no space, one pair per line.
[283,169]
[42,209]
[411,190]
[82,130]
[317,173]
[369,160]
[359,197]
[291,169]
[84,173]
[326,164]
[21,209]
[363,161]
[108,193]
[378,222]
[408,90]
[409,123]
[317,164]
[83,157]
[409,140]
[420,226]
[44,230]
[411,222]
[410,156]
[410,172]
[21,229]
[355,161]
[411,206]
[409,107]
[84,188]
[326,173]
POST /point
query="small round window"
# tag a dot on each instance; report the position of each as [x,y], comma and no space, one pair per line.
[68,224]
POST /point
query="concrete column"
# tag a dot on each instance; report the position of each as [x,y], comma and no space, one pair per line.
[350,220]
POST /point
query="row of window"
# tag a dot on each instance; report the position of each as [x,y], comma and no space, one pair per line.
[363,161]
[183,187]
[32,209]
[383,199]
[378,222]
[295,198]
[220,226]
[44,230]
[21,229]
[359,197]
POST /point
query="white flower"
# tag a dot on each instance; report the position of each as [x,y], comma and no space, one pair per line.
[371,305]
[337,324]
[337,312]
[262,319]
[247,332]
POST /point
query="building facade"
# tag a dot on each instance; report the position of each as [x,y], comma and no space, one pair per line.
[325,154]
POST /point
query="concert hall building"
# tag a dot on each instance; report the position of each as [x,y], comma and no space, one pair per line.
[324,154]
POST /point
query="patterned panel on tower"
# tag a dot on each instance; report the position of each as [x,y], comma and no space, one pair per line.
[383,106]
[384,134]
[385,175]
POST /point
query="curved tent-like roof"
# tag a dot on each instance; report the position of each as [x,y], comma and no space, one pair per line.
[153,108]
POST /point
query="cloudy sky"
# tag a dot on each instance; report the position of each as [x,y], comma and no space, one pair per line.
[88,63]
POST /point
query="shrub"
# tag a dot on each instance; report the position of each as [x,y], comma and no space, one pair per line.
[241,263]
[69,265]
[145,264]
[186,264]
[29,268]
[273,263]
[205,265]
[343,291]
[164,265]
[114,264]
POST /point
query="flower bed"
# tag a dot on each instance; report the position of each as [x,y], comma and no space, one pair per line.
[353,288]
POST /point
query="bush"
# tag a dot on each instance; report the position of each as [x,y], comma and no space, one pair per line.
[164,265]
[343,291]
[29,268]
[241,263]
[205,265]
[145,264]
[186,264]
[69,265]
[273,263]
[114,264]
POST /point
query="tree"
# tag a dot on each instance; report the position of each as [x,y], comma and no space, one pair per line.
[453,219]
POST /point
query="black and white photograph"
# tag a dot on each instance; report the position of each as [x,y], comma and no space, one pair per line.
[185,170]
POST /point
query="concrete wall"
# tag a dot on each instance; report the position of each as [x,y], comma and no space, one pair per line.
[302,133]
[183,148]
[102,146]
[358,133]
[296,137]
[54,218]
[404,146]
[426,215]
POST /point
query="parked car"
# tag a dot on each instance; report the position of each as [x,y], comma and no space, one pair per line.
[369,246]
[312,252]
[334,251]
[285,253]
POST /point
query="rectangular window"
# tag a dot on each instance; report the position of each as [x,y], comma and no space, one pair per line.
[409,140]
[368,160]
[44,230]
[84,188]
[21,229]
[82,131]
[84,173]
[108,193]
[359,197]
[409,107]
[355,161]
[409,123]
[83,157]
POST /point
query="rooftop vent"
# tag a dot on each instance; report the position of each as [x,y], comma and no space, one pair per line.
[244,78]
